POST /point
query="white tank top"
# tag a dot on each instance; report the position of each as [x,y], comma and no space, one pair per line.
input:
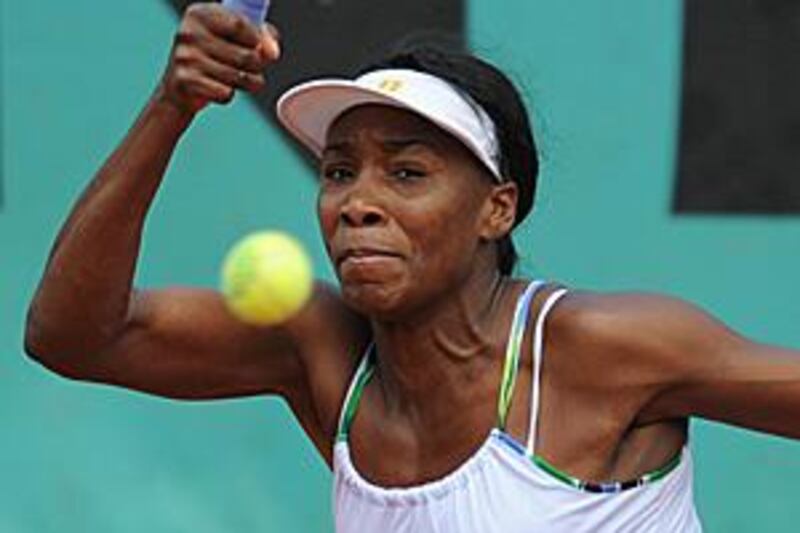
[504,487]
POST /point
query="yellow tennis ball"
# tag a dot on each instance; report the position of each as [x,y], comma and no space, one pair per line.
[266,278]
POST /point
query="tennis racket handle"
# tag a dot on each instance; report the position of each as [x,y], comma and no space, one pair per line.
[253,10]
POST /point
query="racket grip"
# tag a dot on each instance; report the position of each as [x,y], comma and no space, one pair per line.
[253,10]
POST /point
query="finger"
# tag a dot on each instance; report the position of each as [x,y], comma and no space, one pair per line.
[232,77]
[211,91]
[235,56]
[230,26]
[270,45]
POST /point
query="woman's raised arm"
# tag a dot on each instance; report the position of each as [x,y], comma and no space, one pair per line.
[86,320]
[693,365]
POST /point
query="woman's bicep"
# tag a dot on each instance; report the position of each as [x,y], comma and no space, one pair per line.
[756,387]
[183,343]
[715,373]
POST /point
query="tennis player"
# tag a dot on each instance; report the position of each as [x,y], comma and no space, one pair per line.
[445,394]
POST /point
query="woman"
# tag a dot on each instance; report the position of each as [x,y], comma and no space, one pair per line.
[445,394]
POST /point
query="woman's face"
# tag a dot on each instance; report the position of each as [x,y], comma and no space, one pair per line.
[404,209]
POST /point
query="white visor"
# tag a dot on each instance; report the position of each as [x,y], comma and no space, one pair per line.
[309,109]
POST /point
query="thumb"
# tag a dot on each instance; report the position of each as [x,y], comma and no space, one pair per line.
[270,45]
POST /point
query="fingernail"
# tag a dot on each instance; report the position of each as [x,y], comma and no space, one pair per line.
[270,48]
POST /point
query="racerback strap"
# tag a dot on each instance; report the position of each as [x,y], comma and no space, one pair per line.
[538,354]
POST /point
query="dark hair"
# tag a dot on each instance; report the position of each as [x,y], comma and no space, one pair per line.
[501,100]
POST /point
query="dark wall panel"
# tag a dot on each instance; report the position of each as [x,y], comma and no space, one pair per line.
[739,146]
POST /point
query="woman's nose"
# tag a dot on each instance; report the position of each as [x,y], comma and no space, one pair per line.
[358,212]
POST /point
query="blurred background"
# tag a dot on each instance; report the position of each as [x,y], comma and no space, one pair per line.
[647,114]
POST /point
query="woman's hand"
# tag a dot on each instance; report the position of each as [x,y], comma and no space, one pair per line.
[215,52]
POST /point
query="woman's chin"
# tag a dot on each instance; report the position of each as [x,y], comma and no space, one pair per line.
[373,299]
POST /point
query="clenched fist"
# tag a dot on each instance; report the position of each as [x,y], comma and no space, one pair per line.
[215,52]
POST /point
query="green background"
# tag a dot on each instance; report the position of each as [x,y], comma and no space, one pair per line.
[603,79]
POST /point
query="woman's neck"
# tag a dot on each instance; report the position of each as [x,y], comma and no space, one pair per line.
[432,360]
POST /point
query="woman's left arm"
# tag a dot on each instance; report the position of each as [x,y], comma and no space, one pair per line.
[713,372]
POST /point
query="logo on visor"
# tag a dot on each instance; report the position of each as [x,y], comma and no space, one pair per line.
[390,85]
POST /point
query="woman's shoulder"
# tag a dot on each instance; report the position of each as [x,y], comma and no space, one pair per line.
[620,313]
[331,338]
[627,327]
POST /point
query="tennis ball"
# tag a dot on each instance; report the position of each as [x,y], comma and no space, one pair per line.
[266,278]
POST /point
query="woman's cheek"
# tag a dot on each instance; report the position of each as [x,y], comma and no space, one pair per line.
[327,216]
[438,252]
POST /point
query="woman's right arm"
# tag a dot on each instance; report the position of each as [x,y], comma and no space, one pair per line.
[86,321]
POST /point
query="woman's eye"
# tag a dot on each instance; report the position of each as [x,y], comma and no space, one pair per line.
[337,174]
[405,173]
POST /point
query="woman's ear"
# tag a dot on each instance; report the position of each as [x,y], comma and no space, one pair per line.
[500,211]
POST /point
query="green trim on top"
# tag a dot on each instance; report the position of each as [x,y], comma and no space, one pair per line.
[556,473]
[510,371]
[513,350]
[606,487]
[365,370]
[660,473]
